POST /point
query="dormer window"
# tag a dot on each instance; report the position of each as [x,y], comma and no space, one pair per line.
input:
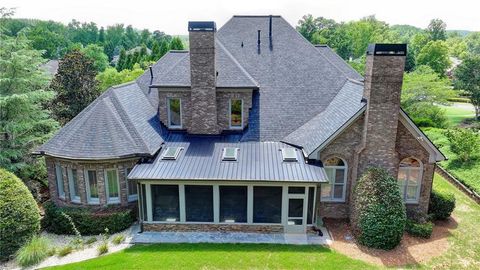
[236,113]
[230,154]
[171,153]
[289,154]
[174,112]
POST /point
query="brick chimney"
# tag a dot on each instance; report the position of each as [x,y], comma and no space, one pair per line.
[382,88]
[203,78]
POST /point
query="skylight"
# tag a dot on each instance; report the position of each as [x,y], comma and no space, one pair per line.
[171,153]
[289,154]
[230,154]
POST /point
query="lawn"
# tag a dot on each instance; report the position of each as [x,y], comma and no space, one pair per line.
[222,256]
[467,172]
[458,112]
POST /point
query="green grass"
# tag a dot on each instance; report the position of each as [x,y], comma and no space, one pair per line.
[467,172]
[464,239]
[456,115]
[222,256]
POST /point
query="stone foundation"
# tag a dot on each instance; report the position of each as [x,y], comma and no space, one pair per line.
[164,227]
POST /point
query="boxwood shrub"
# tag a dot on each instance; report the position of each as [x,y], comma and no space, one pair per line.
[87,221]
[441,205]
[19,215]
[378,215]
[423,230]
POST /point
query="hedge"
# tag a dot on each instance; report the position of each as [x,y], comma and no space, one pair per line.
[441,205]
[378,214]
[423,230]
[19,215]
[87,222]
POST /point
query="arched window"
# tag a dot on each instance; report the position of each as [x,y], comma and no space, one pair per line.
[336,170]
[410,179]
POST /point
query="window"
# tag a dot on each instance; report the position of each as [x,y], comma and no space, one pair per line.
[174,113]
[92,186]
[165,200]
[267,204]
[199,203]
[236,113]
[73,185]
[233,204]
[409,179]
[336,170]
[171,153]
[132,187]
[59,179]
[289,154]
[112,186]
[230,154]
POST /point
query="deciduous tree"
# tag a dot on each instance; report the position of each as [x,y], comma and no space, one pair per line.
[467,77]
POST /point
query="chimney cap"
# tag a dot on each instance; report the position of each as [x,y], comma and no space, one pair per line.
[384,49]
[202,26]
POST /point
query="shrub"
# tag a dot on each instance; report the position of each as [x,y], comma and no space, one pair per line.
[19,215]
[102,248]
[378,213]
[117,239]
[87,222]
[423,230]
[91,240]
[441,205]
[424,122]
[33,252]
[463,142]
[64,251]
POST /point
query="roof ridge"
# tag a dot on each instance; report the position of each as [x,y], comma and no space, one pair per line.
[237,63]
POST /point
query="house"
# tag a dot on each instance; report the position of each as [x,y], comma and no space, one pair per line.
[254,130]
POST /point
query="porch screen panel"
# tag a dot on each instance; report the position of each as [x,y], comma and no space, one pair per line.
[267,204]
[199,203]
[233,204]
[311,196]
[165,203]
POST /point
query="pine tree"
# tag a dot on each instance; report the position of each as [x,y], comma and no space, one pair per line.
[101,35]
[122,60]
[164,48]
[155,51]
[176,44]
[75,86]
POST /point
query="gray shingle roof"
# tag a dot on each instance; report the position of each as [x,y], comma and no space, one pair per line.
[346,104]
[201,159]
[119,123]
[336,60]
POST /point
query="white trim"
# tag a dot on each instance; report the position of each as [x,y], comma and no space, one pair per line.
[230,114]
[216,204]
[249,204]
[71,185]
[181,202]
[148,199]
[168,113]
[91,200]
[111,200]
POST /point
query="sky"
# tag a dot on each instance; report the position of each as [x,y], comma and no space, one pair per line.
[172,16]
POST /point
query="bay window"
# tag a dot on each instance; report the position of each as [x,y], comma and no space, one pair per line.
[73,185]
[92,186]
[112,186]
[59,180]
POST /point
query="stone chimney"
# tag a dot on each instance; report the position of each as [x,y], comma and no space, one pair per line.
[382,88]
[203,78]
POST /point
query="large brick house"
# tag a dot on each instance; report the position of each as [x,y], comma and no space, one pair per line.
[252,129]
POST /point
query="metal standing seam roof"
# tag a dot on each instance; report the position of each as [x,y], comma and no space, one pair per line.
[201,159]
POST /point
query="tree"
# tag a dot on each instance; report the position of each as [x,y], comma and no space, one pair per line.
[19,214]
[101,35]
[436,30]
[435,55]
[95,53]
[25,122]
[473,43]
[463,142]
[307,26]
[467,77]
[48,36]
[75,86]
[155,51]
[122,60]
[176,44]
[111,76]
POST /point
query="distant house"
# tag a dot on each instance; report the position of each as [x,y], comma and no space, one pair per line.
[51,67]
[254,129]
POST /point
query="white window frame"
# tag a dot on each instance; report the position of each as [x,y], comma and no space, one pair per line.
[131,197]
[169,116]
[406,185]
[91,200]
[71,185]
[59,181]
[112,200]
[230,114]
[332,183]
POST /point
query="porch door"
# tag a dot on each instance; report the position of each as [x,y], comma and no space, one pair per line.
[296,214]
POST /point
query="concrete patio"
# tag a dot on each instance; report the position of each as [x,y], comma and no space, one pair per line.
[231,237]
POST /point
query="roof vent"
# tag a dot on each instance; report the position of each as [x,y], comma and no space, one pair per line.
[230,154]
[171,153]
[289,154]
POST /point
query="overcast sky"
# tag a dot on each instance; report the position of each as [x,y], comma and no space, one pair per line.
[172,16]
